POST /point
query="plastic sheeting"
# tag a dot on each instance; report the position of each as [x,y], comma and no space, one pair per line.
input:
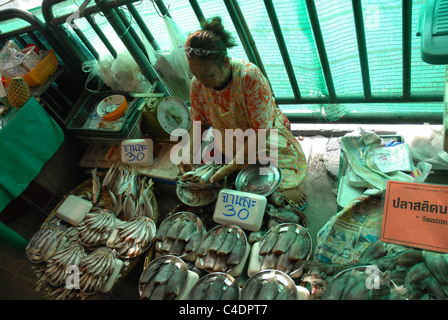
[27,142]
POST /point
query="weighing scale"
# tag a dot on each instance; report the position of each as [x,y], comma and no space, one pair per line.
[161,116]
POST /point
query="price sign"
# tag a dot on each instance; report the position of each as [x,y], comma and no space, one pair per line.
[243,209]
[137,151]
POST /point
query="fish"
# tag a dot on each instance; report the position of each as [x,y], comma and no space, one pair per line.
[176,228]
[96,186]
[187,231]
[161,231]
[285,239]
[147,290]
[111,176]
[284,214]
[269,289]
[193,242]
[209,260]
[437,265]
[237,254]
[164,273]
[358,291]
[229,242]
[176,282]
[220,236]
[374,251]
[285,293]
[250,289]
[269,261]
[220,264]
[159,292]
[230,292]
[198,292]
[299,248]
[203,248]
[177,247]
[214,290]
[284,263]
[268,241]
[335,288]
[166,245]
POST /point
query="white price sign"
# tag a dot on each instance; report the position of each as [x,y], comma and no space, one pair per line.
[137,151]
[243,209]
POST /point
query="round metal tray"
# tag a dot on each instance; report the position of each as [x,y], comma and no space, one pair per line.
[286,286]
[259,179]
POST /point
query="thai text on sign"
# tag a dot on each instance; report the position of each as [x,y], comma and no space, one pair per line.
[416,215]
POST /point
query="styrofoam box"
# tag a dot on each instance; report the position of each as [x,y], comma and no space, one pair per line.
[73,210]
[243,209]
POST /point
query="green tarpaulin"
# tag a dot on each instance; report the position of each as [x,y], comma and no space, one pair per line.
[27,142]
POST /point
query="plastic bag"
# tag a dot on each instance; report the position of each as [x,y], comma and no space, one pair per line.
[426,144]
[172,64]
[120,74]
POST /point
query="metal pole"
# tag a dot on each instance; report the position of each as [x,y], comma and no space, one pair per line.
[318,37]
[362,48]
[282,47]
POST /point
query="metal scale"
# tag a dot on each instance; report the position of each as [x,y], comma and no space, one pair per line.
[161,116]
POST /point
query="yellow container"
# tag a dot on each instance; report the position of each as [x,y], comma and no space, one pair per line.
[40,73]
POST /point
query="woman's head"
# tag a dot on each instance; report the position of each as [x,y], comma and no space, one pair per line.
[206,51]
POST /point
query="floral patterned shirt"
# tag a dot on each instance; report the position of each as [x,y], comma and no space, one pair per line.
[247,102]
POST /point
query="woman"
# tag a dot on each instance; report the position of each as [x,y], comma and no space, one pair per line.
[228,93]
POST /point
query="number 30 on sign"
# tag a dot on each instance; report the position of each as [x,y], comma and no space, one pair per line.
[137,151]
[243,209]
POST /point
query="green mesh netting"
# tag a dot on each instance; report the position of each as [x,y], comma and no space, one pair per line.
[383,32]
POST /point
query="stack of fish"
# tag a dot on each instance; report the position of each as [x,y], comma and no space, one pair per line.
[269,285]
[163,279]
[130,194]
[357,284]
[96,268]
[199,178]
[284,213]
[222,249]
[428,279]
[417,274]
[284,246]
[97,227]
[215,286]
[179,234]
[56,270]
[48,240]
[194,187]
[134,236]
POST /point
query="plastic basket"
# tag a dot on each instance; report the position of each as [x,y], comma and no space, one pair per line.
[129,125]
[40,73]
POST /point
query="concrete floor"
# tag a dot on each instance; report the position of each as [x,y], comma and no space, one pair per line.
[17,279]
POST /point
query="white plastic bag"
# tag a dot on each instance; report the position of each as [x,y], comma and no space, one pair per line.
[426,144]
[172,64]
[120,74]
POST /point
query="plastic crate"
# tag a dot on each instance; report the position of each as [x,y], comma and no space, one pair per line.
[40,73]
[128,125]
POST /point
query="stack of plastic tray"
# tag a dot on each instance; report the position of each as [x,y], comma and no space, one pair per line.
[83,124]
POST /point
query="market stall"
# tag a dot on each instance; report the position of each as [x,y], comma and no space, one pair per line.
[239,238]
